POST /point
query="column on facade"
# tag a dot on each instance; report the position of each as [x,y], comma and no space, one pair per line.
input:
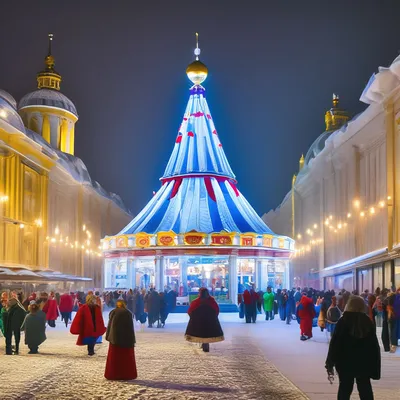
[130,273]
[183,277]
[161,273]
[263,274]
[257,277]
[233,279]
[157,272]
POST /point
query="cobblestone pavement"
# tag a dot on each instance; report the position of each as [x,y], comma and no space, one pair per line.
[168,368]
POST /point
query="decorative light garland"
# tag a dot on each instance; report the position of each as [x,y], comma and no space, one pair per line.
[371,210]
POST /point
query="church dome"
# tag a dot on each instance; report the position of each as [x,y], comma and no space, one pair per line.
[9,114]
[10,99]
[47,97]
[316,147]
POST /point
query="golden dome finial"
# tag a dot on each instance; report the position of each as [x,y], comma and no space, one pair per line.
[49,60]
[335,100]
[196,71]
[49,78]
[301,162]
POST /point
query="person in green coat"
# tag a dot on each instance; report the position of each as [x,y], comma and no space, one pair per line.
[35,327]
[269,298]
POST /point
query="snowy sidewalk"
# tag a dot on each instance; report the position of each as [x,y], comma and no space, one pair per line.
[168,367]
[256,361]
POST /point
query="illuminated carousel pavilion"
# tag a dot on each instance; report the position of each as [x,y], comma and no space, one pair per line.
[198,230]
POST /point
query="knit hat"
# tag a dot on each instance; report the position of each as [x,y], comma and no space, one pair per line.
[355,304]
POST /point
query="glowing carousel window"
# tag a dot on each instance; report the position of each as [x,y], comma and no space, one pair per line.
[209,272]
[246,273]
[145,268]
[172,273]
[116,274]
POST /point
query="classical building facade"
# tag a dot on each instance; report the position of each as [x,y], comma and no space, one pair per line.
[52,214]
[344,206]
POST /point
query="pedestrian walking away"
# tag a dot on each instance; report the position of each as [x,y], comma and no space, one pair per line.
[121,364]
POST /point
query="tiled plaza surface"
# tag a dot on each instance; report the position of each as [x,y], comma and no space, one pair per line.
[265,360]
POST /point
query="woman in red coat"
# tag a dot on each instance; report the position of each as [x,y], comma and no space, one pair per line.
[121,364]
[88,324]
[204,326]
[66,306]
[306,313]
[51,310]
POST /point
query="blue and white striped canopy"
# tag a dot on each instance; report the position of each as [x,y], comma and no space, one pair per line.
[198,191]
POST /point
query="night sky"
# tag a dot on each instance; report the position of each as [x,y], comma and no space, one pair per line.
[273,66]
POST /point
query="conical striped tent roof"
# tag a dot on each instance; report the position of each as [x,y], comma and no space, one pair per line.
[198,191]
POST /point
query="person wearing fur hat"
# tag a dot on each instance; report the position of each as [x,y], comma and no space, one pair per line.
[13,319]
[204,326]
[88,324]
[35,327]
[354,351]
[121,364]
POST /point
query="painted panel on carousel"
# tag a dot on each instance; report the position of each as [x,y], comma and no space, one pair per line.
[122,241]
[142,240]
[222,239]
[267,240]
[281,243]
[166,238]
[194,238]
[131,240]
[113,243]
[248,239]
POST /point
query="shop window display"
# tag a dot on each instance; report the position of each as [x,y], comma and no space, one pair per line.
[116,274]
[172,275]
[209,272]
[245,273]
[144,273]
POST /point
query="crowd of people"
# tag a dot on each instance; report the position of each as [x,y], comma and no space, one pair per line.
[350,319]
[32,314]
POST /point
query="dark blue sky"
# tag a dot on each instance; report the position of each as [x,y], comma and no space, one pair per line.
[273,68]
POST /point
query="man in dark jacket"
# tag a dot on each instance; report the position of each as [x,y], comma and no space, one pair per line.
[354,351]
[12,325]
[152,300]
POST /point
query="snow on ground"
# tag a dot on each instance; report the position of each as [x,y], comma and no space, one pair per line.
[256,361]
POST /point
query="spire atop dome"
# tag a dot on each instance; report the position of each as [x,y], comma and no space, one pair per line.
[196,71]
[49,78]
[335,118]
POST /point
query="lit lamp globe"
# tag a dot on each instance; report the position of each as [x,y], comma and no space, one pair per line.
[197,72]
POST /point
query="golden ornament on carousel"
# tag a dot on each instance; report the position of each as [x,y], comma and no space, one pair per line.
[196,71]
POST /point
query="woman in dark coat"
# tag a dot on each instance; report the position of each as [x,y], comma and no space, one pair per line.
[121,364]
[354,351]
[35,327]
[204,326]
[88,324]
[152,301]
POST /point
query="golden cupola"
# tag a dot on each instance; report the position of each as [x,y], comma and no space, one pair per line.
[49,112]
[49,78]
[335,118]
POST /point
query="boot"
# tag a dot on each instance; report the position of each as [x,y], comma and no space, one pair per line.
[206,347]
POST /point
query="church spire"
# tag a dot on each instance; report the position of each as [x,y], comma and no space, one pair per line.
[49,78]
